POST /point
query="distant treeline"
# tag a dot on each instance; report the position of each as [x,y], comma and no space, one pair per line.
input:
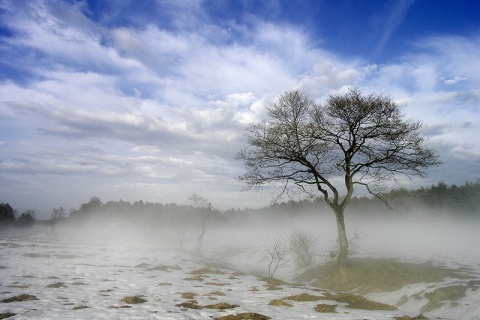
[148,211]
[9,216]
[440,198]
[459,200]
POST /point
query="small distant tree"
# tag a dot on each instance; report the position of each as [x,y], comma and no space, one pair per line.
[204,207]
[57,214]
[302,246]
[360,140]
[277,254]
[91,206]
[87,209]
[26,219]
[180,222]
[7,214]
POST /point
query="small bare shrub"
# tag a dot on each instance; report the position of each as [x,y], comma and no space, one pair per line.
[353,242]
[302,246]
[277,254]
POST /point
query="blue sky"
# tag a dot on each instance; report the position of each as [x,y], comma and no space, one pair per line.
[149,99]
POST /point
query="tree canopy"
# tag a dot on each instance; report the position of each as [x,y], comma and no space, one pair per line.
[365,140]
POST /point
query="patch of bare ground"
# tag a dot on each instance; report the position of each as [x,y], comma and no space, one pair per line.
[273,283]
[190,305]
[353,301]
[20,286]
[193,304]
[219,284]
[304,297]
[206,270]
[104,292]
[133,300]
[165,284]
[80,307]
[279,303]
[194,278]
[165,268]
[419,317]
[441,295]
[244,316]
[7,315]
[221,305]
[56,285]
[20,298]
[124,306]
[189,295]
[372,275]
[326,308]
[358,302]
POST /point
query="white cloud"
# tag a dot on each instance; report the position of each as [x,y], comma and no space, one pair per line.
[454,80]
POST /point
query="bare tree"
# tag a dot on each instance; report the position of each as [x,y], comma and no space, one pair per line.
[57,214]
[179,221]
[277,254]
[362,139]
[302,246]
[202,204]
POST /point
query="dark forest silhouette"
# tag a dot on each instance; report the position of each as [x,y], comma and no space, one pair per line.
[441,199]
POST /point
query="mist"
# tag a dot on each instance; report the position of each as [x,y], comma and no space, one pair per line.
[133,250]
[239,239]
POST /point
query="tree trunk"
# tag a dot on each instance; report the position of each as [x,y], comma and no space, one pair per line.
[342,236]
[203,227]
[198,248]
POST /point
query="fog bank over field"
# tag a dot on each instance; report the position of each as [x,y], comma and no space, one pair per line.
[402,262]
[399,232]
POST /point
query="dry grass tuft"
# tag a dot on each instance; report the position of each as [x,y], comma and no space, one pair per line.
[189,295]
[190,305]
[326,308]
[371,275]
[18,286]
[194,278]
[120,307]
[206,270]
[221,305]
[419,317]
[439,295]
[56,285]
[80,307]
[358,302]
[20,298]
[133,300]
[279,303]
[194,305]
[220,284]
[244,316]
[304,297]
[165,268]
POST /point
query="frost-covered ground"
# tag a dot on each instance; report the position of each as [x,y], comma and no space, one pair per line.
[75,274]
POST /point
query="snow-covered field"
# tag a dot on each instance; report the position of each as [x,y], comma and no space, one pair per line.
[71,274]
